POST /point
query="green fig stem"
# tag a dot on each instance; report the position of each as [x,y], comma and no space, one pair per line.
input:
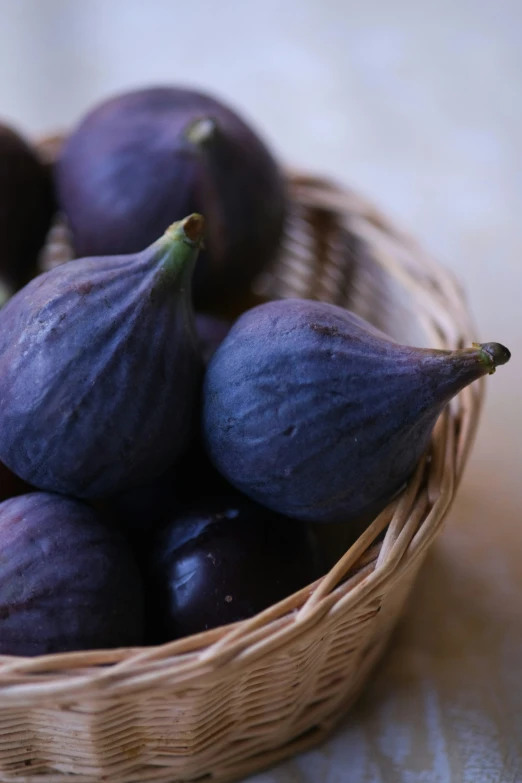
[190,231]
[178,250]
[201,131]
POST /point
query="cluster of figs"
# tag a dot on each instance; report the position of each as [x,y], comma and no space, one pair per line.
[163,470]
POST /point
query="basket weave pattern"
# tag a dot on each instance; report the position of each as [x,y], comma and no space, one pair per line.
[223,704]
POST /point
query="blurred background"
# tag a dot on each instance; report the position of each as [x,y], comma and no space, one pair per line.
[417,105]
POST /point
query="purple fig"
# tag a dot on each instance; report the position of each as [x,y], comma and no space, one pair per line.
[311,412]
[224,559]
[145,158]
[100,369]
[66,581]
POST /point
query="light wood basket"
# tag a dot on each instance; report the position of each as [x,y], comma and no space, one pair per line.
[226,703]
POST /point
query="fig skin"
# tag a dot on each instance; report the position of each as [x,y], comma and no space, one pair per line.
[310,411]
[100,371]
[224,559]
[66,581]
[142,159]
[27,208]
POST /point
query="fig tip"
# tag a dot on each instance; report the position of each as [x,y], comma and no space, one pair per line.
[493,354]
[190,230]
[194,226]
[201,130]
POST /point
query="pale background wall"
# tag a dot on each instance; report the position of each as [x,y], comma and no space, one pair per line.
[419,105]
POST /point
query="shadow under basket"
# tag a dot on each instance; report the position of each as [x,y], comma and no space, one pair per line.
[234,700]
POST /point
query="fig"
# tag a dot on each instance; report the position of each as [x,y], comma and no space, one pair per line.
[27,207]
[310,411]
[224,559]
[66,582]
[145,158]
[100,371]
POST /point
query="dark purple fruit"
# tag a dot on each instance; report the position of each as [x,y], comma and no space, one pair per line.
[211,333]
[311,412]
[27,207]
[66,581]
[100,369]
[145,158]
[223,560]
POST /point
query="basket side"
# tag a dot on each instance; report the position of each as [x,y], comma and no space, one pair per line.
[226,728]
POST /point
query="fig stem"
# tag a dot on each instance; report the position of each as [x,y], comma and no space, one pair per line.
[190,230]
[201,131]
[179,247]
[493,355]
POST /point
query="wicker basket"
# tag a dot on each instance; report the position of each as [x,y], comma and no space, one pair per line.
[231,701]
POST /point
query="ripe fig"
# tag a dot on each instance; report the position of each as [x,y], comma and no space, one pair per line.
[27,206]
[224,559]
[310,411]
[66,581]
[100,369]
[148,157]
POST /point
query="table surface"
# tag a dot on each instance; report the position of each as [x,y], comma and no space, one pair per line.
[417,105]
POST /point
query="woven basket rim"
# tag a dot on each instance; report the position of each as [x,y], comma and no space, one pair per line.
[412,519]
